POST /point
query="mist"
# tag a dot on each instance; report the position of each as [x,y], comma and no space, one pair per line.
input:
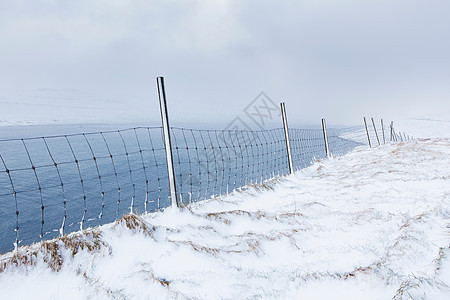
[341,60]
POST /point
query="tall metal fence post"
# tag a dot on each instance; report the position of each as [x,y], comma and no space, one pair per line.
[286,136]
[367,131]
[167,141]
[376,133]
[325,137]
[382,129]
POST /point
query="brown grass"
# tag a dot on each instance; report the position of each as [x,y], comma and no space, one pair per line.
[52,252]
[135,223]
[266,186]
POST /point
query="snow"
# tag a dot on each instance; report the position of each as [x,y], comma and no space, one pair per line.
[373,224]
[435,125]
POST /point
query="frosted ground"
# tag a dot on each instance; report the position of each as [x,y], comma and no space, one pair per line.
[373,224]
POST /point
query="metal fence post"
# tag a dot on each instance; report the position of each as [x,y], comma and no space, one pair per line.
[393,139]
[382,129]
[325,137]
[286,136]
[367,131]
[390,139]
[376,133]
[167,141]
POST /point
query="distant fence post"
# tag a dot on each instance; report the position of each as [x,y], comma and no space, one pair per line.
[367,131]
[382,129]
[394,134]
[286,136]
[376,133]
[325,137]
[393,137]
[391,127]
[167,141]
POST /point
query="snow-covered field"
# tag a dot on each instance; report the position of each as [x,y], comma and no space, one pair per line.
[373,224]
[426,126]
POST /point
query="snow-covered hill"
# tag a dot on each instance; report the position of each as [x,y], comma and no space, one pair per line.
[435,125]
[373,224]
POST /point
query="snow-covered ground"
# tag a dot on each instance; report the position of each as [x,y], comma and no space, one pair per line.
[435,125]
[373,224]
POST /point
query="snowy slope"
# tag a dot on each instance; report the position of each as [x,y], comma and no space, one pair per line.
[435,125]
[373,224]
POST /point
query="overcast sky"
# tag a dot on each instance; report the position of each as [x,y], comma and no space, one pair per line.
[339,59]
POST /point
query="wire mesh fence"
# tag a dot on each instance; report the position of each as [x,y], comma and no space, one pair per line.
[58,184]
[215,162]
[54,185]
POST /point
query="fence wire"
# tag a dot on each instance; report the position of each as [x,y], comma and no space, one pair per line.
[210,163]
[58,184]
[54,185]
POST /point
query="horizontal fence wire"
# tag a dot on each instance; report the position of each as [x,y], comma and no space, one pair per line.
[59,184]
[211,163]
[54,185]
[341,141]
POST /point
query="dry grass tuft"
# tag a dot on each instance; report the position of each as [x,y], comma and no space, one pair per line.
[360,270]
[136,223]
[290,215]
[266,186]
[249,244]
[225,216]
[237,212]
[52,252]
[222,216]
[198,247]
[442,255]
